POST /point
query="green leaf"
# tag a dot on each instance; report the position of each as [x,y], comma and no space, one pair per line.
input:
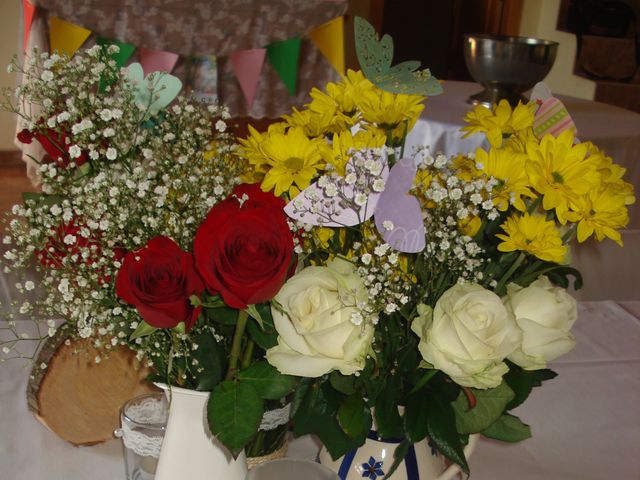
[82,170]
[234,412]
[441,426]
[490,405]
[343,383]
[398,456]
[265,335]
[255,314]
[351,416]
[211,359]
[416,417]
[222,315]
[522,382]
[424,379]
[388,420]
[142,330]
[508,428]
[267,380]
[300,395]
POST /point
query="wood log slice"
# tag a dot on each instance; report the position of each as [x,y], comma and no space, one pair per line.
[79,399]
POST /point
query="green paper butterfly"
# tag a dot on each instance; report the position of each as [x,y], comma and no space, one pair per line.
[375,58]
[164,87]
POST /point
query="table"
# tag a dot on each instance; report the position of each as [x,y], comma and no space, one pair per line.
[585,422]
[612,129]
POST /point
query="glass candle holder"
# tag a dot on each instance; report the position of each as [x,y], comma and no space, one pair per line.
[291,469]
[143,421]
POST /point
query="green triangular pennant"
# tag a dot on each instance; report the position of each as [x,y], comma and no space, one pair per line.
[284,57]
[126,50]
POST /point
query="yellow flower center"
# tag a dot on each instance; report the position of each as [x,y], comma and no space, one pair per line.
[294,163]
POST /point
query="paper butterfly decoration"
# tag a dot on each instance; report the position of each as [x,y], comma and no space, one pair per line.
[398,216]
[551,117]
[165,87]
[375,57]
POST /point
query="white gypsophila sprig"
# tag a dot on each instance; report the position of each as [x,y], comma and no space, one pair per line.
[135,189]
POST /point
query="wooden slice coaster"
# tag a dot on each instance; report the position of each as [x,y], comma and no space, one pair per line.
[79,399]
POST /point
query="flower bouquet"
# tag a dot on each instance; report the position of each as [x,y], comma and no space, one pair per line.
[318,261]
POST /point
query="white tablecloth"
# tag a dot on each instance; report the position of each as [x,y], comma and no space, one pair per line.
[613,129]
[585,422]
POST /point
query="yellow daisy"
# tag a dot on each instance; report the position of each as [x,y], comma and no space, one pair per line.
[560,171]
[345,92]
[329,109]
[313,123]
[601,213]
[337,153]
[507,166]
[500,121]
[532,234]
[390,111]
[293,160]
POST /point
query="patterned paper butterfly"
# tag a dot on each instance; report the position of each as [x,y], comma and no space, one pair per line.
[375,57]
[551,117]
[165,88]
[398,216]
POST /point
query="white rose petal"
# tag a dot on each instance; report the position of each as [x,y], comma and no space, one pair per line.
[467,335]
[317,333]
[545,314]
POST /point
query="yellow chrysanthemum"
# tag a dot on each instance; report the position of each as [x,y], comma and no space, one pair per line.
[329,110]
[251,147]
[601,213]
[560,172]
[465,168]
[611,174]
[470,225]
[351,87]
[532,234]
[337,153]
[507,166]
[314,124]
[500,121]
[390,111]
[518,140]
[292,159]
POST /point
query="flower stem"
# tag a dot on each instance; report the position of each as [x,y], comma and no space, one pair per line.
[514,266]
[247,356]
[241,324]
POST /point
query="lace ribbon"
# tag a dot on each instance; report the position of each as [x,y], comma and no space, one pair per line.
[274,418]
[150,412]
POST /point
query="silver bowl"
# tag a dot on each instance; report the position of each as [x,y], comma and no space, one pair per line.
[507,66]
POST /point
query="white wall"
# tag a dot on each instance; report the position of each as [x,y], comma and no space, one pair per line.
[10,42]
[539,19]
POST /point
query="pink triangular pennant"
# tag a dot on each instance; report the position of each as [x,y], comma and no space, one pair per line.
[29,12]
[247,66]
[156,61]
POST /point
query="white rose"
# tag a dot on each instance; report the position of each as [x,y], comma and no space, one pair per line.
[545,314]
[313,319]
[467,335]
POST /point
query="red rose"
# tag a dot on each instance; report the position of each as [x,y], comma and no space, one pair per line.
[158,280]
[244,247]
[55,144]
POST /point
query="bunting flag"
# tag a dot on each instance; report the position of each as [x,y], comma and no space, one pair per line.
[284,57]
[156,60]
[65,37]
[247,66]
[126,50]
[329,39]
[29,12]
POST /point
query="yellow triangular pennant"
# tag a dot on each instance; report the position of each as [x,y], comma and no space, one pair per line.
[66,37]
[329,38]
